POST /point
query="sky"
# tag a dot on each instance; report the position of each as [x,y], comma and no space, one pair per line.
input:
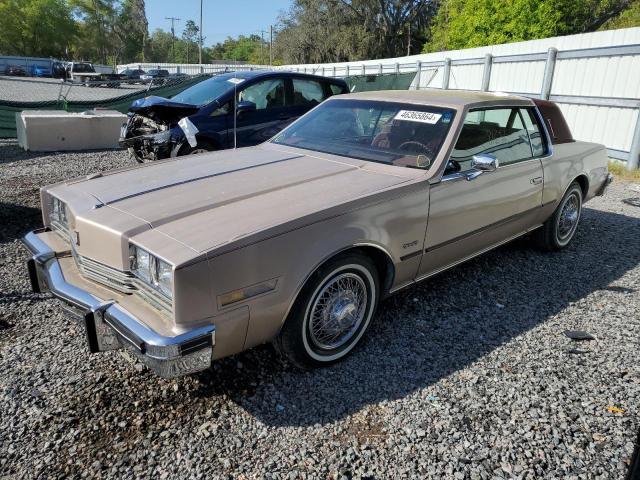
[220,18]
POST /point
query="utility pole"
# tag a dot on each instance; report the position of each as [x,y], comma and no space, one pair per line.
[409,41]
[200,45]
[270,45]
[262,32]
[173,36]
[261,46]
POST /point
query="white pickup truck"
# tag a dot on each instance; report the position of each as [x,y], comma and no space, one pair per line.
[85,73]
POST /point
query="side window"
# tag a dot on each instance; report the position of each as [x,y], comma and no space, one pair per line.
[335,89]
[538,142]
[307,92]
[222,110]
[499,132]
[266,94]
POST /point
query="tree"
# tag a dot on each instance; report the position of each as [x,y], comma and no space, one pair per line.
[473,23]
[132,30]
[190,36]
[241,49]
[98,18]
[627,18]
[337,30]
[159,46]
[36,27]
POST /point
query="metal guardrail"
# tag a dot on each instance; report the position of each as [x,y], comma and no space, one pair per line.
[632,157]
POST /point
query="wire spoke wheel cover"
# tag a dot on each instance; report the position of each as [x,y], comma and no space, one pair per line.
[338,312]
[568,218]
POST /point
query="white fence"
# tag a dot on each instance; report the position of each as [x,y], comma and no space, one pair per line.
[594,77]
[192,68]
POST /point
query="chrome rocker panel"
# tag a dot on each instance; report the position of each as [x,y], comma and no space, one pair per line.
[109,327]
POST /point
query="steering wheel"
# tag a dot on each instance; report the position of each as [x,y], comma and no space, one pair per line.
[409,143]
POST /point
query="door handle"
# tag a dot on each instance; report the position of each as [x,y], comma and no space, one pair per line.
[536,181]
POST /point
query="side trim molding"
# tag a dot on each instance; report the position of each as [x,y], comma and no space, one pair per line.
[499,223]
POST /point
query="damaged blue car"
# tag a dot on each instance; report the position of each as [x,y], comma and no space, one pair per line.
[233,109]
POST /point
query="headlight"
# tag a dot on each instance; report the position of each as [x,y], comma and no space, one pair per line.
[153,271]
[141,263]
[58,212]
[163,277]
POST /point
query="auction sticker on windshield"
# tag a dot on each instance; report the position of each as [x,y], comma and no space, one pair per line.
[235,81]
[414,116]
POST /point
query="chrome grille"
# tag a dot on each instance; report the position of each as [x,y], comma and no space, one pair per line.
[124,282]
[121,281]
[61,230]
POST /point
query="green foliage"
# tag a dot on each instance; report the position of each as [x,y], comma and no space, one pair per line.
[97,28]
[473,23]
[132,31]
[36,27]
[337,30]
[627,19]
[244,48]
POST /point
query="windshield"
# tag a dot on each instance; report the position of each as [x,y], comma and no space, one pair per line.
[83,68]
[393,133]
[206,92]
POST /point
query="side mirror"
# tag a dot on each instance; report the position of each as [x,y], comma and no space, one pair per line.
[245,106]
[484,162]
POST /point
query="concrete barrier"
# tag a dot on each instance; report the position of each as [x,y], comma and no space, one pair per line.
[58,130]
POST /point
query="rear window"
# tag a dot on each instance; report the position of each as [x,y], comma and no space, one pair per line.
[337,89]
[307,92]
[538,142]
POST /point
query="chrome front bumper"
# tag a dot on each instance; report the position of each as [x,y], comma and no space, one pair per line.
[110,327]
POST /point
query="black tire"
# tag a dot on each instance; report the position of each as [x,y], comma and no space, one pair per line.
[558,231]
[202,147]
[300,342]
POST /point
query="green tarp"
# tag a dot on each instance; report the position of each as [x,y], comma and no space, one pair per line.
[8,109]
[387,81]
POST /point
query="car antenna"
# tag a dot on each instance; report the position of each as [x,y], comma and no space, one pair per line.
[235,114]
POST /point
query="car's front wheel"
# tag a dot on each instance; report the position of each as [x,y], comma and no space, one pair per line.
[331,313]
[202,147]
[558,231]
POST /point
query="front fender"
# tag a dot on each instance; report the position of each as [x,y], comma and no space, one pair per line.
[393,223]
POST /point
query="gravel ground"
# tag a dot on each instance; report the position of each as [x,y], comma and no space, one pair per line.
[466,376]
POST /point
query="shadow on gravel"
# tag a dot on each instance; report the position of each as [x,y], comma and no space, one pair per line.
[435,328]
[10,152]
[17,220]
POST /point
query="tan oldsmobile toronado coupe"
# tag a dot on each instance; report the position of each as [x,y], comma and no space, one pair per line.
[295,241]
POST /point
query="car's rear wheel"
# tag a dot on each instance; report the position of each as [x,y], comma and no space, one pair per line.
[331,313]
[558,231]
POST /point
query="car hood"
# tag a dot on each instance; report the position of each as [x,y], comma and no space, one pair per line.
[210,200]
[163,109]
